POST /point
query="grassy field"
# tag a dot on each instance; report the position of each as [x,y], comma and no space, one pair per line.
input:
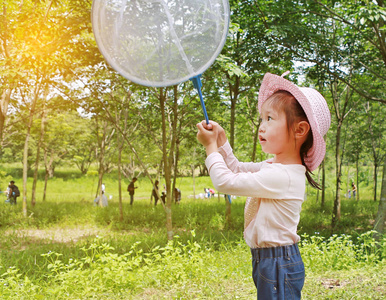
[68,249]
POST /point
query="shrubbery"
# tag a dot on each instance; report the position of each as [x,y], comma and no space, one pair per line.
[102,272]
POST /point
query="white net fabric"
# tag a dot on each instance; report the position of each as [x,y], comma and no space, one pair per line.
[160,42]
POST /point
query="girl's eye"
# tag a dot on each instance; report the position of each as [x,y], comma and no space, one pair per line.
[269,118]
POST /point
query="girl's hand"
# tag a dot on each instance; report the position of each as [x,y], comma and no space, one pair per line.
[221,136]
[207,135]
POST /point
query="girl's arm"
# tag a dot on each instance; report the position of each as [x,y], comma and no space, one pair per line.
[207,136]
[234,164]
[273,181]
[224,148]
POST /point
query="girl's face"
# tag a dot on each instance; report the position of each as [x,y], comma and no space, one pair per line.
[273,132]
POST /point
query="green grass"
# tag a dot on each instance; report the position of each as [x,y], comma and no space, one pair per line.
[68,249]
[190,270]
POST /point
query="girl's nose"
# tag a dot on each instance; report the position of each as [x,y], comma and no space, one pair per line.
[261,128]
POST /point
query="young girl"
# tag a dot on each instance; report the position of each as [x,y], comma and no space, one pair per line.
[293,123]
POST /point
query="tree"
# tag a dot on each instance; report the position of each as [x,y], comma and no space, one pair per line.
[348,33]
[341,100]
[82,152]
[60,134]
[365,22]
[375,131]
[34,36]
[39,144]
[379,225]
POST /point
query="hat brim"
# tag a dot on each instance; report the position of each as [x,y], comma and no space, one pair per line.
[273,83]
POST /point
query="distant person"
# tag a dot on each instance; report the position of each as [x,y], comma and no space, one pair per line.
[207,193]
[6,193]
[13,192]
[154,193]
[163,197]
[354,190]
[131,189]
[104,198]
[104,201]
[211,191]
[177,195]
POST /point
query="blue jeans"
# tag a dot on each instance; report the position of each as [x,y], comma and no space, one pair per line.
[278,272]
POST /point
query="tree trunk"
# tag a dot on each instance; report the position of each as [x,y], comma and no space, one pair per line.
[100,180]
[380,219]
[233,118]
[348,185]
[317,192]
[234,92]
[33,196]
[227,209]
[51,167]
[336,210]
[45,176]
[357,176]
[101,163]
[120,147]
[255,139]
[6,95]
[120,179]
[168,208]
[194,181]
[323,201]
[25,167]
[5,99]
[375,176]
[174,147]
[26,147]
[176,158]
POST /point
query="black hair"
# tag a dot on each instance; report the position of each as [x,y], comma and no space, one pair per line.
[286,102]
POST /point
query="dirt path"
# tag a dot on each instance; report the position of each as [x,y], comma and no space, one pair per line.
[21,238]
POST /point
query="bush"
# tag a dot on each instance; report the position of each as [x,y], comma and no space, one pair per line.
[340,252]
[177,270]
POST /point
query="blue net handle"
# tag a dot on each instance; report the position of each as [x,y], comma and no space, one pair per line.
[197,84]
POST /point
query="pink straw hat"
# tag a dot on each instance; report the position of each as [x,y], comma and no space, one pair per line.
[313,104]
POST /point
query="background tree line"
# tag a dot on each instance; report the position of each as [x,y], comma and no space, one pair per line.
[62,104]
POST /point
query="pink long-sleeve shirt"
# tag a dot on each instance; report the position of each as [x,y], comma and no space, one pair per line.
[275,195]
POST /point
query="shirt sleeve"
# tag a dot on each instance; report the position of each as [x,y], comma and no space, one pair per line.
[233,163]
[268,182]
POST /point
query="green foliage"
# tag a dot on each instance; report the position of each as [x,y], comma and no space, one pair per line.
[162,267]
[177,270]
[340,252]
[356,217]
[4,180]
[133,260]
[227,64]
[53,46]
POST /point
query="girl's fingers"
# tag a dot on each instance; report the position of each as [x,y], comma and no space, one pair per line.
[200,126]
[213,123]
[207,126]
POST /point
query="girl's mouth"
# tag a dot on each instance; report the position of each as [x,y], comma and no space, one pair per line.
[261,139]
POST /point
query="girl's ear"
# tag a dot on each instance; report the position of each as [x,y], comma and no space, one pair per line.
[302,129]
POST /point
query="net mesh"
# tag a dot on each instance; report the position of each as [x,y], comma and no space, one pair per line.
[160,42]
